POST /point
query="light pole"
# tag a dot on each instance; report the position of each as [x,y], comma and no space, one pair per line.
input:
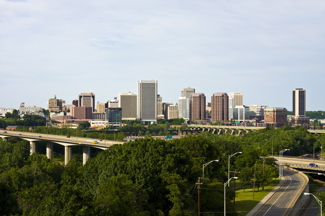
[206,164]
[224,194]
[229,162]
[318,200]
[280,166]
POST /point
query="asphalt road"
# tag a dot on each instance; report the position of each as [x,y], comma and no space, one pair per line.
[59,138]
[283,200]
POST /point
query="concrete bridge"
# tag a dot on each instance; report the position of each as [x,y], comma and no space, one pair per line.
[221,129]
[66,141]
[233,130]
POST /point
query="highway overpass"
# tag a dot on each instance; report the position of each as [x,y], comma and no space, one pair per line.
[67,142]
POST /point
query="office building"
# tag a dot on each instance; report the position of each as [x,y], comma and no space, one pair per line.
[160,112]
[184,103]
[147,101]
[276,117]
[235,99]
[172,112]
[257,112]
[299,107]
[219,107]
[55,105]
[100,108]
[299,102]
[113,103]
[87,100]
[128,103]
[81,112]
[114,116]
[197,107]
[241,113]
[165,109]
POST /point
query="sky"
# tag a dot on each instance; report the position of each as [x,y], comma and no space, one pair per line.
[61,48]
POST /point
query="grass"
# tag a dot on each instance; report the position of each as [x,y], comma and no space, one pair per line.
[245,201]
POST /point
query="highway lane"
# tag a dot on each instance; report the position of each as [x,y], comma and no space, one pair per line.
[283,200]
[301,162]
[59,138]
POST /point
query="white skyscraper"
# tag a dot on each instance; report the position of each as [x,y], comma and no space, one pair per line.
[184,103]
[235,99]
[147,100]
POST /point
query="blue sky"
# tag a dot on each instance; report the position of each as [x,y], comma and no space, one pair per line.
[264,49]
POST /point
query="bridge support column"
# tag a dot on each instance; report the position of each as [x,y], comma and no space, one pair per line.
[67,154]
[85,154]
[49,150]
[32,147]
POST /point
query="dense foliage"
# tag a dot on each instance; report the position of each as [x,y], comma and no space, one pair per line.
[144,177]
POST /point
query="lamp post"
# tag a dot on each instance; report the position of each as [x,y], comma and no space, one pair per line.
[229,162]
[224,194]
[280,166]
[206,164]
[318,200]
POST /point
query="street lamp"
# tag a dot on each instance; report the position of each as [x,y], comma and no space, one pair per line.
[280,166]
[206,164]
[224,194]
[318,200]
[229,162]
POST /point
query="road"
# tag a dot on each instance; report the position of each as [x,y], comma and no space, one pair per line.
[59,138]
[283,200]
[301,162]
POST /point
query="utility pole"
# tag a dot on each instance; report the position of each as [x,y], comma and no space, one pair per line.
[198,196]
[235,172]
[254,179]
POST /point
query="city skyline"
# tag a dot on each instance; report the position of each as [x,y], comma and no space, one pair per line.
[262,49]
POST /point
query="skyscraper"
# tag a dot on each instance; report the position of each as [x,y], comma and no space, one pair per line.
[235,99]
[197,106]
[299,102]
[219,107]
[184,103]
[87,100]
[147,100]
[128,103]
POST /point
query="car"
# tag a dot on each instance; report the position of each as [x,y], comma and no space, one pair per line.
[94,142]
[313,165]
[39,136]
[68,136]
[100,140]
[20,134]
[5,131]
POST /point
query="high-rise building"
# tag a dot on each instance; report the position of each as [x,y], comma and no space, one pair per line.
[172,112]
[276,117]
[184,103]
[128,103]
[114,116]
[81,112]
[186,92]
[235,99]
[299,107]
[299,102]
[219,107]
[160,112]
[55,105]
[197,107]
[87,100]
[113,103]
[100,108]
[147,100]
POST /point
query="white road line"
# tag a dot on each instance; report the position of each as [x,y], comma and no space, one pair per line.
[279,196]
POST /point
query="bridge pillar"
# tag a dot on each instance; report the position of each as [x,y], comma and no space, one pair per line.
[49,150]
[67,154]
[32,147]
[85,154]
